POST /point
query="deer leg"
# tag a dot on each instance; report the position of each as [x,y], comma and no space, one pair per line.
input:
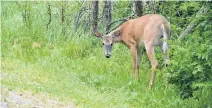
[139,52]
[153,60]
[134,58]
[164,49]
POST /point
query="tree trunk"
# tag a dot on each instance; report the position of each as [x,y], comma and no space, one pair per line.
[153,6]
[63,5]
[79,16]
[50,15]
[107,13]
[138,8]
[95,12]
[62,12]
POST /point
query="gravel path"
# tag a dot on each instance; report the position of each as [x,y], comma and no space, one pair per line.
[26,99]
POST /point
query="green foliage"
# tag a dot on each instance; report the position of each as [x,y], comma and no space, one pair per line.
[191,61]
[119,11]
[71,64]
[77,49]
[204,95]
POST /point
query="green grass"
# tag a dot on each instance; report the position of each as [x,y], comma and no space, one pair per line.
[77,71]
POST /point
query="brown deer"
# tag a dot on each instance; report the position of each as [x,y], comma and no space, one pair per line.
[149,31]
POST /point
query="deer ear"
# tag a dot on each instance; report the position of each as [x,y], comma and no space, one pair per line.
[99,35]
[117,33]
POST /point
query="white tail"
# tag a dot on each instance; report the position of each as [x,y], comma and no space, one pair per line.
[165,45]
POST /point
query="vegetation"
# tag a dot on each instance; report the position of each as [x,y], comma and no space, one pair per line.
[48,47]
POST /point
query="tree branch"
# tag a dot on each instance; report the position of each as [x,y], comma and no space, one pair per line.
[193,24]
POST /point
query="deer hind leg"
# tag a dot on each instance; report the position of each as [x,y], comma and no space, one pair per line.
[164,49]
[135,62]
[153,60]
[139,54]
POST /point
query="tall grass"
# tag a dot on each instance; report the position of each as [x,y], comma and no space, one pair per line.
[76,70]
[84,76]
[73,67]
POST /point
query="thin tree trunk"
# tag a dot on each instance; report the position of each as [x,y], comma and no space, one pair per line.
[88,22]
[50,15]
[62,12]
[63,6]
[107,13]
[153,6]
[138,8]
[95,12]
[79,16]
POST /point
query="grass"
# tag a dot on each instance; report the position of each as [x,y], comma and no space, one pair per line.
[77,72]
[75,69]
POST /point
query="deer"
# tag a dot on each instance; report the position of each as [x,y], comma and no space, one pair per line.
[147,32]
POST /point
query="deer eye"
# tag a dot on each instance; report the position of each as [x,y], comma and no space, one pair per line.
[103,44]
[111,44]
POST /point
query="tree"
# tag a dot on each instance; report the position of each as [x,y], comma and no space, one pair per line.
[63,7]
[138,8]
[79,15]
[95,12]
[153,6]
[49,13]
[107,17]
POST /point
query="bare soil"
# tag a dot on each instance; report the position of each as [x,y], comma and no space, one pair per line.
[26,99]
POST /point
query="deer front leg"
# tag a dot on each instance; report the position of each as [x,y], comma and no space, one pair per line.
[135,61]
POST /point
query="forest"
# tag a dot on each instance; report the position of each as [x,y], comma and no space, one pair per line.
[51,58]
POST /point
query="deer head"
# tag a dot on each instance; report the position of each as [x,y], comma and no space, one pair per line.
[108,40]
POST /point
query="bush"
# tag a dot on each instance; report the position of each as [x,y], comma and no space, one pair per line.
[191,61]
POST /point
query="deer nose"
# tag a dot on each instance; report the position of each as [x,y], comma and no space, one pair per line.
[107,56]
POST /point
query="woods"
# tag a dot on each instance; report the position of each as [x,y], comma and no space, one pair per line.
[49,47]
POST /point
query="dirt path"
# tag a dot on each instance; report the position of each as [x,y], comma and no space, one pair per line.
[26,99]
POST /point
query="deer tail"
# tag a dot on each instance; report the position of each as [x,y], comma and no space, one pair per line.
[166,37]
